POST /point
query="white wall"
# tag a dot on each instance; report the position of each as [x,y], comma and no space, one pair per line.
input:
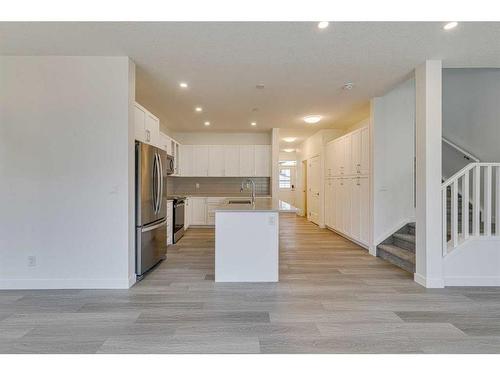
[471,111]
[393,153]
[209,138]
[476,262]
[66,147]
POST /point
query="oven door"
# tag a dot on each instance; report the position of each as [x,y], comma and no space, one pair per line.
[178,220]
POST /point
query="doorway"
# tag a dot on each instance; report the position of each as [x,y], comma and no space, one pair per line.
[287,172]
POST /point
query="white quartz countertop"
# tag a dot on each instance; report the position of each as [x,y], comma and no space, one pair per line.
[261,205]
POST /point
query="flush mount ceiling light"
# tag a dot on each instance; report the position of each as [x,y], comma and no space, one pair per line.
[198,109]
[259,86]
[183,85]
[450,25]
[323,24]
[253,123]
[207,123]
[289,139]
[348,86]
[312,119]
[288,150]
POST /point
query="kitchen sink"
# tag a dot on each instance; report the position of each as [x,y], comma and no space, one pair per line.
[239,201]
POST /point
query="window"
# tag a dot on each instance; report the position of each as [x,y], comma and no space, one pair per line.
[285,178]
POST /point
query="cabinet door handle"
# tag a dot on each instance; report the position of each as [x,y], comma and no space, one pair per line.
[148,135]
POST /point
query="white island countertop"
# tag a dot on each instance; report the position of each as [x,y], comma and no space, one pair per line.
[261,205]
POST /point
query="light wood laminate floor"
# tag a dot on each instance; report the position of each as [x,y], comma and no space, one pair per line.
[333,297]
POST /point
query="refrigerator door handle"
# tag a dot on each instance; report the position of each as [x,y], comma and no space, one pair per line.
[154,185]
[153,227]
[160,183]
[157,157]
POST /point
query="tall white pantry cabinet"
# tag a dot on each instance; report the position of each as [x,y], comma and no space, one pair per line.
[347,181]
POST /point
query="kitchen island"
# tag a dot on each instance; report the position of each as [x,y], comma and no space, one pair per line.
[247,240]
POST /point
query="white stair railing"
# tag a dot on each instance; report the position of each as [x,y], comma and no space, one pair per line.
[477,184]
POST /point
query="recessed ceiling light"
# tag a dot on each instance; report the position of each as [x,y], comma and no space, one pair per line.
[198,109]
[289,139]
[450,25]
[183,85]
[288,150]
[312,119]
[253,123]
[323,24]
[207,123]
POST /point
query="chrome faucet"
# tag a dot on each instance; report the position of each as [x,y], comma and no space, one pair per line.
[246,182]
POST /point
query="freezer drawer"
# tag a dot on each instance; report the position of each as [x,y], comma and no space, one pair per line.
[151,246]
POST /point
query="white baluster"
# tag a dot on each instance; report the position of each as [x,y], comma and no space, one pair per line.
[454,213]
[445,220]
[487,201]
[497,194]
[465,205]
[477,204]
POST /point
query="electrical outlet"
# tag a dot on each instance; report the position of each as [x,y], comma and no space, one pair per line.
[197,185]
[271,220]
[31,261]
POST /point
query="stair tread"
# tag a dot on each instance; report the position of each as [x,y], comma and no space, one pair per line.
[405,237]
[399,252]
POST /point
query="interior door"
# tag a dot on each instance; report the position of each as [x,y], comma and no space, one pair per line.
[313,183]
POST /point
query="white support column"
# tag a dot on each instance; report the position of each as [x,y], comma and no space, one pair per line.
[275,154]
[429,259]
[372,249]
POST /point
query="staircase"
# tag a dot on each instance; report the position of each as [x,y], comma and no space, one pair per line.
[399,249]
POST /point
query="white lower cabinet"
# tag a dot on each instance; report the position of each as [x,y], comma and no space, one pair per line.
[347,206]
[201,210]
[170,222]
[198,211]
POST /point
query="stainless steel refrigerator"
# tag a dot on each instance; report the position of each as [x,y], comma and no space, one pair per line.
[151,167]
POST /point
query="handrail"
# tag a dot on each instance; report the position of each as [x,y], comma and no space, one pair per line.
[468,155]
[449,180]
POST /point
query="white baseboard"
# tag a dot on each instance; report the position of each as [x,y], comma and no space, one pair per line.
[473,281]
[364,246]
[6,284]
[428,283]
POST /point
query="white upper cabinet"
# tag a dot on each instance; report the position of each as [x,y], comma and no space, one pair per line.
[348,155]
[200,160]
[231,161]
[164,142]
[247,161]
[262,157]
[140,123]
[186,160]
[228,161]
[356,153]
[330,159]
[360,152]
[365,151]
[216,156]
[147,126]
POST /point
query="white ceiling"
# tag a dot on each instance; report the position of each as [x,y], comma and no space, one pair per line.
[303,68]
